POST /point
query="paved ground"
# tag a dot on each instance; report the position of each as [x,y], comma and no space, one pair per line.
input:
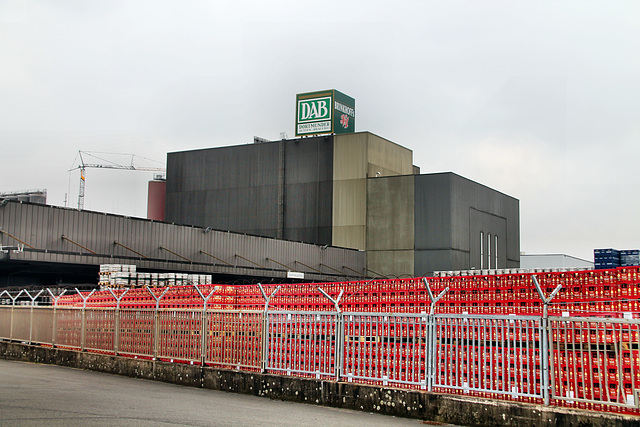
[35,395]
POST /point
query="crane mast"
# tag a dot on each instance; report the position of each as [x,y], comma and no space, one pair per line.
[102,163]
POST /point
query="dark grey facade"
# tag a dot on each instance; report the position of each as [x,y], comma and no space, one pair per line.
[67,245]
[451,215]
[277,189]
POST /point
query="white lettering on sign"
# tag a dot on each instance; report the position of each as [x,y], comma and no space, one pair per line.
[345,109]
[316,127]
[314,109]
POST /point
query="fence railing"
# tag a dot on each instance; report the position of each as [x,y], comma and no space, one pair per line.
[595,360]
[584,362]
[392,348]
[303,343]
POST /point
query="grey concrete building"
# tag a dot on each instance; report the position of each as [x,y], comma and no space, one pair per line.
[356,191]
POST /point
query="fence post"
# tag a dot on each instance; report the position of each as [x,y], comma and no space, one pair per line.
[430,350]
[156,323]
[13,306]
[116,332]
[203,325]
[265,325]
[33,300]
[544,325]
[55,319]
[2,293]
[339,331]
[83,323]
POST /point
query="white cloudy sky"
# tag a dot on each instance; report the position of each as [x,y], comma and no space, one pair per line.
[537,99]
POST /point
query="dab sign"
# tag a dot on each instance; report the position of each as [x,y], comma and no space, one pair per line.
[328,111]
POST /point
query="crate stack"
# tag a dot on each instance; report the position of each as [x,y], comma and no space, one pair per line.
[610,292]
[612,258]
[629,257]
[116,275]
[126,276]
[606,258]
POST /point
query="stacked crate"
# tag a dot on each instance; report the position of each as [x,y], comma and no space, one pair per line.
[629,257]
[606,258]
[612,258]
[611,292]
[126,276]
[116,275]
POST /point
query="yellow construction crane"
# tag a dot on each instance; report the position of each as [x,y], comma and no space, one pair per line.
[103,163]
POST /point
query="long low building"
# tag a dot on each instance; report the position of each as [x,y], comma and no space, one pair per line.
[45,245]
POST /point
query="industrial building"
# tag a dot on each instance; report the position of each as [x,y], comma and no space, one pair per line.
[332,207]
[47,245]
[354,190]
[33,196]
[553,261]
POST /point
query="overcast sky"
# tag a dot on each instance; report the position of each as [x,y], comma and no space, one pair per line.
[537,99]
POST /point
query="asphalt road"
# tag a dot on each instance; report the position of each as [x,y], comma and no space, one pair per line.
[36,395]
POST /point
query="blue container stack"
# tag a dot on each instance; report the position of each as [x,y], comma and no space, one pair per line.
[606,258]
[629,257]
[612,258]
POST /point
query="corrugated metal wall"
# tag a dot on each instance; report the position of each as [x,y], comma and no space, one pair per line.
[239,188]
[309,190]
[41,227]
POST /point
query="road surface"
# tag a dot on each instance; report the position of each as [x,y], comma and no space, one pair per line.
[36,395]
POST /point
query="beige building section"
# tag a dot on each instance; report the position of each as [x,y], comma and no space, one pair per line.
[390,226]
[356,157]
[390,263]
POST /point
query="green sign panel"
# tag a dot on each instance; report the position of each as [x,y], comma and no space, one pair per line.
[323,112]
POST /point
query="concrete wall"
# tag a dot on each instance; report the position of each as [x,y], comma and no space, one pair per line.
[390,225]
[387,158]
[356,157]
[350,191]
[438,408]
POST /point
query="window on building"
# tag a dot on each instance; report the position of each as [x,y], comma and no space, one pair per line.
[481,250]
[489,251]
[495,251]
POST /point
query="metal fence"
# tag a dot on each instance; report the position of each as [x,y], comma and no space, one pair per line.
[136,332]
[391,348]
[488,354]
[595,360]
[592,363]
[302,343]
[234,339]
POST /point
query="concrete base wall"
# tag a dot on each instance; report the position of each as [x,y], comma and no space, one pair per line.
[460,410]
